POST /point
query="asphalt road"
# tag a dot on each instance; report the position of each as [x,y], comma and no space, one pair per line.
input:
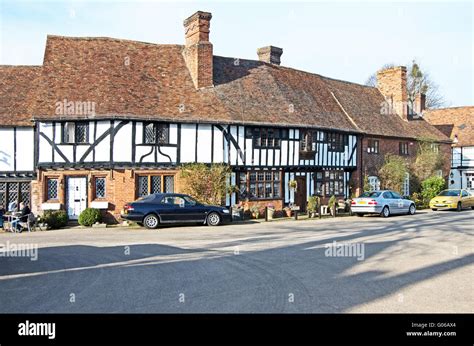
[421,263]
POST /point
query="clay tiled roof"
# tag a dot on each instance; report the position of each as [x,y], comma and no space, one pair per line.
[454,121]
[363,104]
[130,79]
[133,79]
[17,86]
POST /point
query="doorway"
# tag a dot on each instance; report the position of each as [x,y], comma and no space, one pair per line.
[76,196]
[300,194]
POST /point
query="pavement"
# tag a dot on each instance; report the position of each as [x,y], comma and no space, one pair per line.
[420,263]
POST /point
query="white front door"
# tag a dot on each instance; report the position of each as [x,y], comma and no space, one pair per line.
[76,196]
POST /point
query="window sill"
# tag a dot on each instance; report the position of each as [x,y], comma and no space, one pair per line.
[50,205]
[99,204]
[74,143]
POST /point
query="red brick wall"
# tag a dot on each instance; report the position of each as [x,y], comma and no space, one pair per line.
[120,188]
[371,163]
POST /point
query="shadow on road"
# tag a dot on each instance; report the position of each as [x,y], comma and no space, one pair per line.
[214,280]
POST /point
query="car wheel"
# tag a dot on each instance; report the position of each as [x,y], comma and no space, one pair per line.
[359,214]
[472,207]
[385,212]
[412,210]
[151,221]
[459,207]
[434,209]
[213,219]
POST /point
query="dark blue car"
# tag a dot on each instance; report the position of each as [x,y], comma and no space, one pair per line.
[169,208]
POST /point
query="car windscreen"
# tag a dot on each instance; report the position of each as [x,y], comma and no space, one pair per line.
[370,194]
[450,193]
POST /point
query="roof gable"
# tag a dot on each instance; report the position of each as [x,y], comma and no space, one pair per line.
[455,121]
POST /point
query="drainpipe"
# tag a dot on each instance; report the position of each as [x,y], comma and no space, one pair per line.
[360,162]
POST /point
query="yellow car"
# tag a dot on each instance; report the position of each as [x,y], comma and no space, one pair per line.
[453,199]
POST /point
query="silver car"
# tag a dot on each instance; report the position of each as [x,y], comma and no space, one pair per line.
[384,202]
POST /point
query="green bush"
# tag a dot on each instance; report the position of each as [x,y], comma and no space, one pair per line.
[55,218]
[431,187]
[393,172]
[89,217]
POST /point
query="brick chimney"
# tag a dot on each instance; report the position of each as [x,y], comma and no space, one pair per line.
[270,54]
[420,103]
[392,83]
[198,50]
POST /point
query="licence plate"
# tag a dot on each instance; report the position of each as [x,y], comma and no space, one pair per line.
[361,202]
[440,205]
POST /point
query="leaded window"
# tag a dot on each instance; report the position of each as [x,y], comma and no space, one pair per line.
[169,184]
[266,137]
[25,192]
[81,132]
[334,183]
[52,186]
[148,184]
[336,141]
[75,132]
[156,133]
[100,188]
[156,184]
[143,186]
[13,193]
[329,183]
[260,184]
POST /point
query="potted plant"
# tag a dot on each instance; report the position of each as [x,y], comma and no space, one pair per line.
[287,211]
[255,210]
[331,204]
[270,211]
[293,184]
[313,204]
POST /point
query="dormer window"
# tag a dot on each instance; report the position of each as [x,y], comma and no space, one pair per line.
[75,132]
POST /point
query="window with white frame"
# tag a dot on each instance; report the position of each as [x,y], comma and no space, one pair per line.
[403,148]
[373,146]
[406,185]
[374,183]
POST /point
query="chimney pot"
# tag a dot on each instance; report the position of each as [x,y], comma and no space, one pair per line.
[270,54]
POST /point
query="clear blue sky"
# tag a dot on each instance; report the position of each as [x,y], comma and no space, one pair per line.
[343,40]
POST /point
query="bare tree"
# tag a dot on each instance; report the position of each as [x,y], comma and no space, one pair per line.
[417,81]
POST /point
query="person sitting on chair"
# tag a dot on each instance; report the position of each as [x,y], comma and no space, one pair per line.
[23,217]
